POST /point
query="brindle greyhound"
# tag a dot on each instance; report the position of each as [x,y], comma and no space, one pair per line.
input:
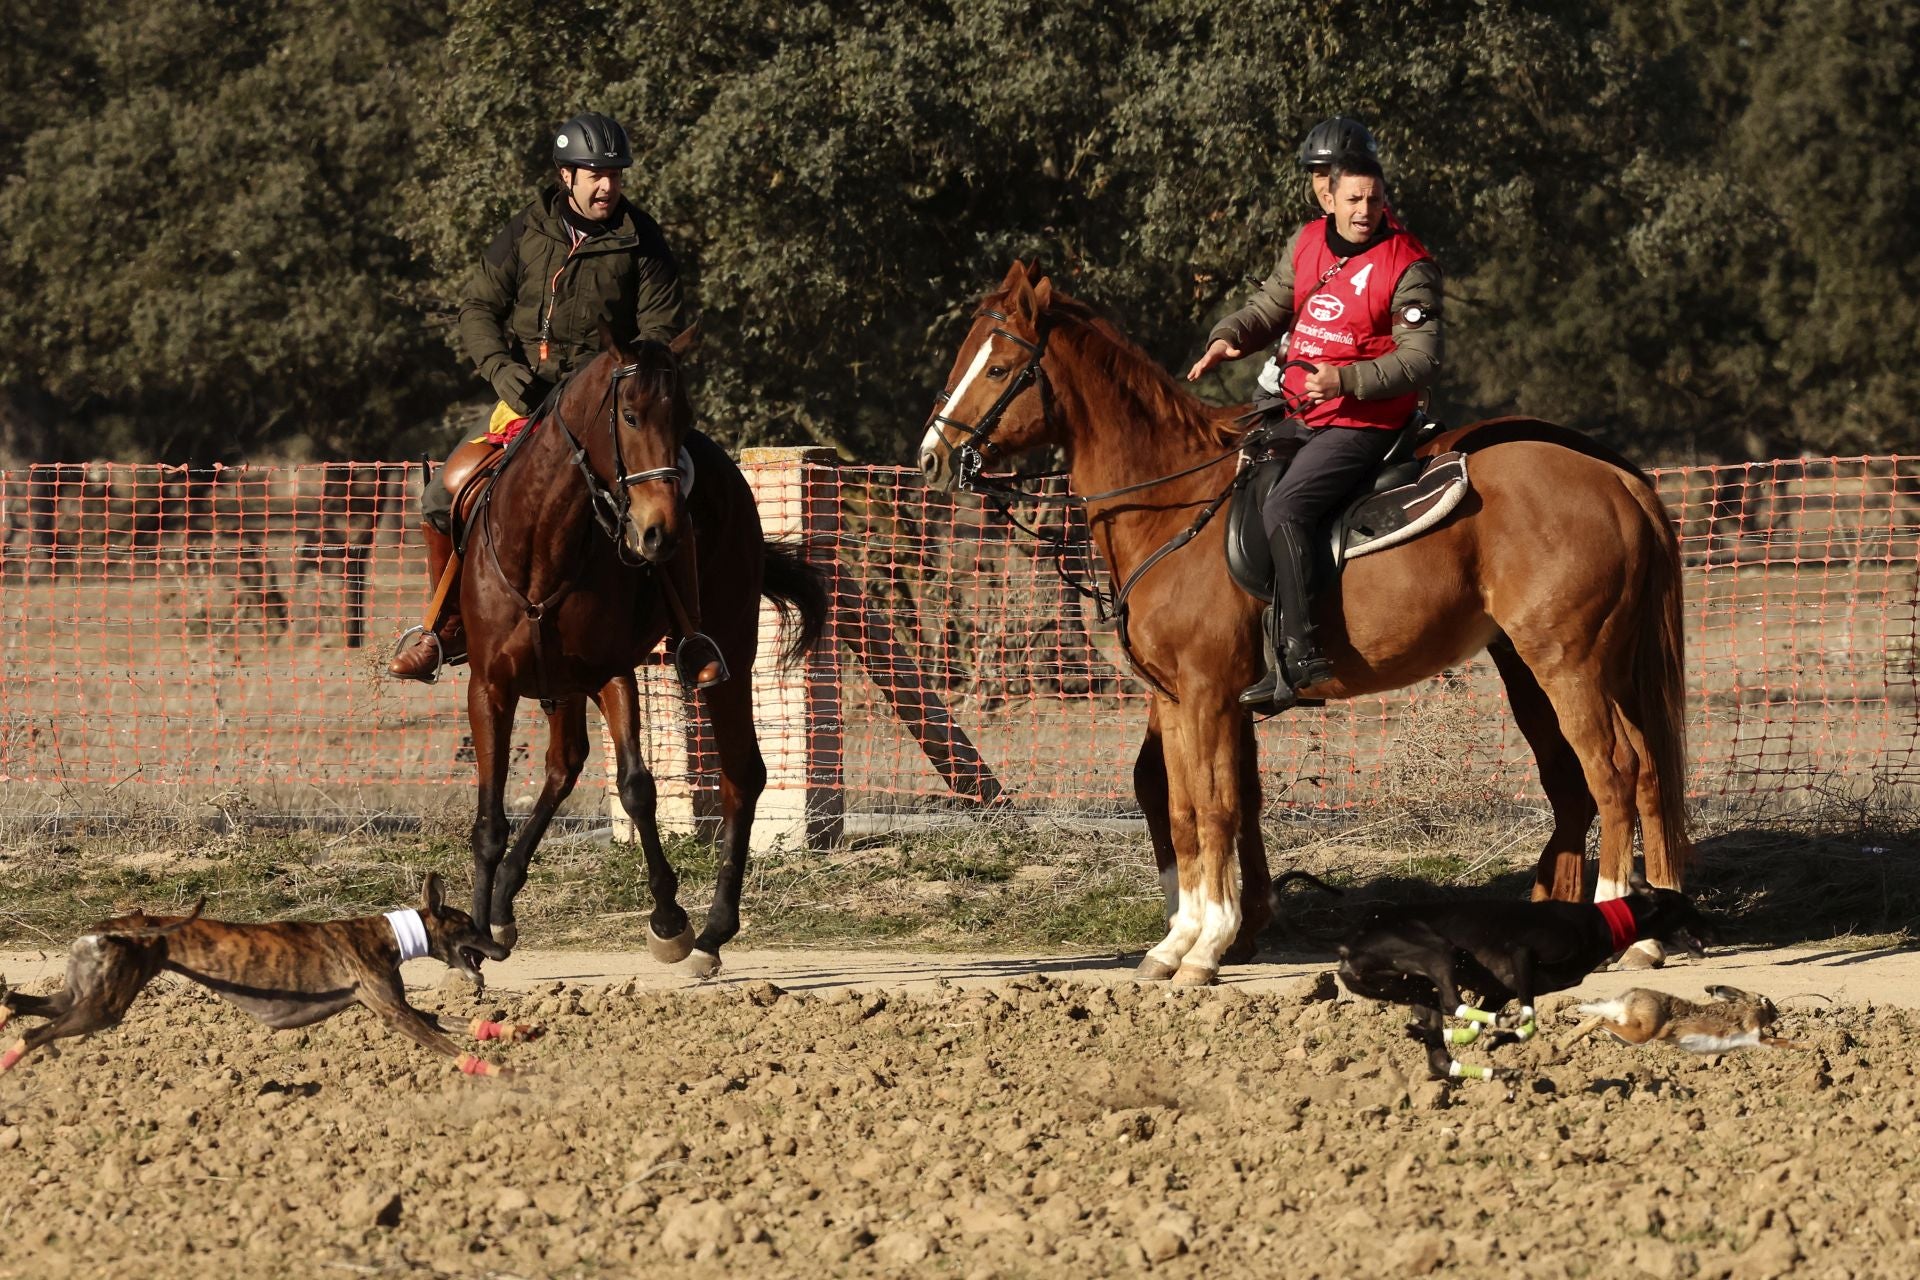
[288,974]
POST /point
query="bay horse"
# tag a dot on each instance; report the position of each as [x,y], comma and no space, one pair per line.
[1561,562]
[561,604]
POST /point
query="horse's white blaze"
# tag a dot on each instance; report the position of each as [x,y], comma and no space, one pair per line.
[1182,929]
[1607,890]
[974,370]
[1170,888]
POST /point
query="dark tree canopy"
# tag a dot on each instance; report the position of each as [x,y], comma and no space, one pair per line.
[229,229]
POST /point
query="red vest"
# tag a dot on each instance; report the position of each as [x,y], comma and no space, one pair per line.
[1346,317]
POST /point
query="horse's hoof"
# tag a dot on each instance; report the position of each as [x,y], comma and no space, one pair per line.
[1644,954]
[701,965]
[1152,970]
[506,935]
[670,950]
[1193,975]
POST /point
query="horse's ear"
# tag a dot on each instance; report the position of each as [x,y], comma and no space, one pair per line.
[1042,295]
[610,341]
[430,893]
[1016,276]
[689,339]
[1035,274]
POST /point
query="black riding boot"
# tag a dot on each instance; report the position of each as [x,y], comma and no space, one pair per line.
[1293,661]
[1292,581]
[1270,693]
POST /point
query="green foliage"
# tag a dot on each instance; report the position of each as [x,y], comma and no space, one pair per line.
[1682,224]
[205,253]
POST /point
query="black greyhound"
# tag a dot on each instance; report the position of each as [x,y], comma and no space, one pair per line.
[1423,954]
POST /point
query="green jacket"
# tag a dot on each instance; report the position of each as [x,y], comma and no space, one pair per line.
[1412,366]
[533,276]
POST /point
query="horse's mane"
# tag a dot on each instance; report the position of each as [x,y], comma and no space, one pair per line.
[1139,376]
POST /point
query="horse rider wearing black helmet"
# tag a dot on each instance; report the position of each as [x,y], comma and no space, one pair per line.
[1372,336]
[578,255]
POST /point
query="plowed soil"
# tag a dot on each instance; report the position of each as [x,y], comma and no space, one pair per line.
[1029,1127]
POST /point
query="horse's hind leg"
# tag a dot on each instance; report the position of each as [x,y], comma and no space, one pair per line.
[1592,723]
[1256,883]
[743,776]
[669,936]
[566,754]
[1559,873]
[490,719]
[1150,790]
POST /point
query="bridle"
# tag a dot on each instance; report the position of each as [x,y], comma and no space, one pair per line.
[970,454]
[607,503]
[610,503]
[1109,601]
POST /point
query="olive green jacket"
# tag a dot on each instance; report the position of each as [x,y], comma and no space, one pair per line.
[1411,366]
[533,276]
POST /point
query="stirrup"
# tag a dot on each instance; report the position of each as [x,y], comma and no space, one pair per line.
[687,664]
[1308,672]
[440,654]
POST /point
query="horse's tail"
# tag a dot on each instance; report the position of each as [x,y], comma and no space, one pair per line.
[796,586]
[1660,676]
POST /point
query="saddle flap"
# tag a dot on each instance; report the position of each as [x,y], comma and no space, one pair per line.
[1249,557]
[1386,519]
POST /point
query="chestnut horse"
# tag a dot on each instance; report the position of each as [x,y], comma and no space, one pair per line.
[561,604]
[1561,562]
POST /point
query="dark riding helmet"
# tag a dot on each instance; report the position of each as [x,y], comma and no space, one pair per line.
[592,141]
[1331,139]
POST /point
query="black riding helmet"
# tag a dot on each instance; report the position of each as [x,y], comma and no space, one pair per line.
[592,141]
[1331,139]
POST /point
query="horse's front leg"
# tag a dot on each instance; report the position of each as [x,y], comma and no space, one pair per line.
[669,934]
[490,718]
[1204,742]
[743,776]
[566,755]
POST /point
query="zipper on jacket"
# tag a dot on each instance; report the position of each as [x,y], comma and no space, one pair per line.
[553,289]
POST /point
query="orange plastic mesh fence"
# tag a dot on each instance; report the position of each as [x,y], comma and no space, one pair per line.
[183,639]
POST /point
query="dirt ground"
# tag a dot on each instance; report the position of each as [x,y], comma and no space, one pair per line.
[881,1114]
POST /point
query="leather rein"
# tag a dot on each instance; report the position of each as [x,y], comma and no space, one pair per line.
[1109,601]
[607,503]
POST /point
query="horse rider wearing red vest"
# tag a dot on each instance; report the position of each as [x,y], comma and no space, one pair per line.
[1363,299]
[579,255]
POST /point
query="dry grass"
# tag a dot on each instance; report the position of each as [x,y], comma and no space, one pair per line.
[1842,867]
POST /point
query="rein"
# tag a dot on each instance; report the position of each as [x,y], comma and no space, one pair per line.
[1110,601]
[608,508]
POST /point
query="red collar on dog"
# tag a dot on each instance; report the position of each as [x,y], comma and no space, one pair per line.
[1619,918]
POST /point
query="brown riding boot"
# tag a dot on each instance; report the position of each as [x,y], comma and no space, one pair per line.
[423,650]
[696,657]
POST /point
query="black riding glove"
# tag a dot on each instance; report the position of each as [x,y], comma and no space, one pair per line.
[513,383]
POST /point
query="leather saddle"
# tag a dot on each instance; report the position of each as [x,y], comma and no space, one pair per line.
[1407,496]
